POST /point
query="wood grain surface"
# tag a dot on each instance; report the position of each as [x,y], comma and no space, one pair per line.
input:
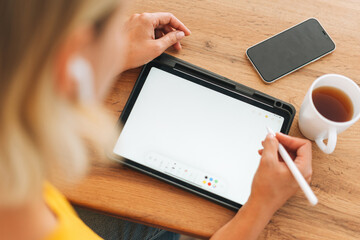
[221,32]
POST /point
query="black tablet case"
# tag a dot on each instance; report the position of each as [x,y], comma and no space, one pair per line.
[194,71]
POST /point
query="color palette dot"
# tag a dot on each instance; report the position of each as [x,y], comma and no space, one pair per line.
[204,182]
[205,177]
[216,181]
[209,184]
[211,179]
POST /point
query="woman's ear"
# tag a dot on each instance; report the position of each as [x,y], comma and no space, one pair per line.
[75,45]
[81,72]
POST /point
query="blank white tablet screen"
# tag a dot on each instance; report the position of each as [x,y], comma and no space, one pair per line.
[196,134]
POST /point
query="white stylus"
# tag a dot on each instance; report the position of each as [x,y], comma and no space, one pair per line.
[296,173]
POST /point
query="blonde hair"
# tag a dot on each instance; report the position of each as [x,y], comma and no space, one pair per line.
[42,136]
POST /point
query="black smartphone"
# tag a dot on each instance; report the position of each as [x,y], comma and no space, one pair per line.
[290,50]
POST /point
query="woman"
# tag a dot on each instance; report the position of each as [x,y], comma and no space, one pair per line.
[58,60]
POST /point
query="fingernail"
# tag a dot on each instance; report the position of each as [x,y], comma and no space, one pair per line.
[180,35]
[270,135]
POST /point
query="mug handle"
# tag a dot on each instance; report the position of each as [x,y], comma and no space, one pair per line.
[332,138]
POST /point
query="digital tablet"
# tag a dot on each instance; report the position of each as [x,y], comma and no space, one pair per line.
[197,130]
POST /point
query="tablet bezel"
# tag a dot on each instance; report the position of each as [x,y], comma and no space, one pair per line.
[208,84]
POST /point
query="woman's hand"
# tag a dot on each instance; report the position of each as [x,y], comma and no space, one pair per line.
[273,182]
[150,34]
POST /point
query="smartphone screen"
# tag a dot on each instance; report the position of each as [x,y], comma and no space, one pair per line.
[290,50]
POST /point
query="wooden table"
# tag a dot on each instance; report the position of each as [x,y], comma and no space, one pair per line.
[221,32]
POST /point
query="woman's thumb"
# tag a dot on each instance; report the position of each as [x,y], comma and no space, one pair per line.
[170,39]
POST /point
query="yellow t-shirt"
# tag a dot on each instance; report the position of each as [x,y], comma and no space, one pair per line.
[69,224]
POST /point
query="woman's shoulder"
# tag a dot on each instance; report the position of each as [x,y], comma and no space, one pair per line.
[69,225]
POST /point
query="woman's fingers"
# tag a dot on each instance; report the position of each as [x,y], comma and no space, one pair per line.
[168,23]
[303,150]
[167,29]
[158,33]
[291,143]
[150,34]
[270,151]
[162,18]
[169,39]
[302,147]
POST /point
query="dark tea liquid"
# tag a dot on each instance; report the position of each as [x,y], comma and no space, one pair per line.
[333,104]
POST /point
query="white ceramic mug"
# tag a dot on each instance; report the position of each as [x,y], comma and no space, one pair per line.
[315,126]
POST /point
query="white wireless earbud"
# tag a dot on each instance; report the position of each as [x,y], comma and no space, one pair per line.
[81,71]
